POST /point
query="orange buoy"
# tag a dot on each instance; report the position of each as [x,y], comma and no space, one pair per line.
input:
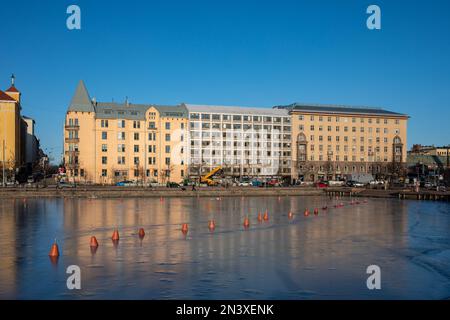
[266,216]
[115,235]
[246,222]
[306,213]
[141,233]
[260,219]
[54,251]
[290,215]
[94,242]
[316,211]
[211,225]
[184,228]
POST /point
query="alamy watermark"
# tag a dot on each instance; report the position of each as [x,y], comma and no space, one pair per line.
[374,20]
[73,21]
[374,280]
[74,280]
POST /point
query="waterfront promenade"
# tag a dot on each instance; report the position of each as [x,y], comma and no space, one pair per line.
[83,191]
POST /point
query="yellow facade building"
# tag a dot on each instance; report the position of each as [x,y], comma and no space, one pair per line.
[111,142]
[332,142]
[10,128]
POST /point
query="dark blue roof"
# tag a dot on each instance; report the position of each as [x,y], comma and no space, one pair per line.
[339,109]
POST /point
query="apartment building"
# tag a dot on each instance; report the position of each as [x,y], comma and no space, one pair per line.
[106,142]
[19,146]
[441,151]
[330,142]
[245,142]
[109,142]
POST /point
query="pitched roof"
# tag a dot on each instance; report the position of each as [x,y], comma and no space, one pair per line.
[5,97]
[339,109]
[111,110]
[81,100]
[12,89]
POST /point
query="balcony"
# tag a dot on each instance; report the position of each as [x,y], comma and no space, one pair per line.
[72,153]
[72,127]
[72,140]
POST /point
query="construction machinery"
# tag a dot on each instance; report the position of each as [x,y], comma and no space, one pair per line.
[208,177]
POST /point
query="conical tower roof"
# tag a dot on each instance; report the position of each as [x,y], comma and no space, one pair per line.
[81,100]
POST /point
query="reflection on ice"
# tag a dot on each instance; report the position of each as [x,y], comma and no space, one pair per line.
[279,255]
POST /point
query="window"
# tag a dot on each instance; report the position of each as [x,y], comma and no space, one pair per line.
[136,124]
[104,160]
[182,125]
[104,148]
[104,173]
[136,160]
[120,148]
[120,160]
[167,136]
[136,148]
[151,125]
[168,161]
[152,136]
[167,125]
[167,149]
[104,135]
[301,127]
[312,127]
[152,160]
[301,117]
[136,136]
[121,135]
[104,123]
[121,123]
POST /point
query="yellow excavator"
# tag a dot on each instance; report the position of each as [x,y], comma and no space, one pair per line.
[207,178]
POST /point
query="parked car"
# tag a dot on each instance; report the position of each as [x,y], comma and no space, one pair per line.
[172,185]
[256,183]
[336,183]
[376,182]
[353,184]
[244,184]
[64,184]
[321,184]
[126,183]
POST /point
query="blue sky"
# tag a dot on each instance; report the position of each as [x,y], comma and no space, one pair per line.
[251,53]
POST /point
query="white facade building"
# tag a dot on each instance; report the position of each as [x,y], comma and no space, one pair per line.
[245,142]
